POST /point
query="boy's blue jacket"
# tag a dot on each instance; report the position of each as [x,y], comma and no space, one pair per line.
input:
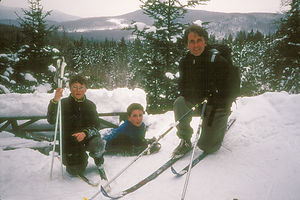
[127,131]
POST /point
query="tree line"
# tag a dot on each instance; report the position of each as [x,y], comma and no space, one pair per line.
[28,55]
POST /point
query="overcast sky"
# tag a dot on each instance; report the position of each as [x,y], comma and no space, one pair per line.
[98,8]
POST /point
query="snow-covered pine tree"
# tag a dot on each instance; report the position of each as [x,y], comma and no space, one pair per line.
[121,71]
[285,50]
[135,66]
[249,56]
[35,55]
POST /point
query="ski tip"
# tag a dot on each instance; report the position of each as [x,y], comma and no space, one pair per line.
[183,172]
[104,191]
[84,198]
[174,171]
[178,174]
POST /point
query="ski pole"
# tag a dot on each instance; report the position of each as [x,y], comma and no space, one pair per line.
[54,140]
[160,137]
[62,71]
[60,142]
[194,148]
[61,66]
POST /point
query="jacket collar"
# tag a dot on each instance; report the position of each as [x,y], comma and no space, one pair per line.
[203,54]
[78,100]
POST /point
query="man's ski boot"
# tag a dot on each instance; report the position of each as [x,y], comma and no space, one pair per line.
[183,147]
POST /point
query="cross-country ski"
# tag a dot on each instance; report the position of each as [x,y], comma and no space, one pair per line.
[199,157]
[144,181]
[185,169]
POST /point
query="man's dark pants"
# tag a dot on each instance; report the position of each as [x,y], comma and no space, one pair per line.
[213,125]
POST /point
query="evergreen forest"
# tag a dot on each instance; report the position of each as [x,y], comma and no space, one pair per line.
[29,53]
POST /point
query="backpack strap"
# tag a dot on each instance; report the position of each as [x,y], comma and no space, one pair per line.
[214,54]
[212,114]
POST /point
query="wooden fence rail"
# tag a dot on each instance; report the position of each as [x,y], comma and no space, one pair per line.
[19,125]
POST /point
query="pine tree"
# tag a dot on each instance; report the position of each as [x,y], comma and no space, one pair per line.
[249,56]
[37,54]
[135,64]
[241,37]
[286,50]
[289,31]
[32,54]
[121,71]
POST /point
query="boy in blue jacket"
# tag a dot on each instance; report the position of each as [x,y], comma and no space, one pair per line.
[129,137]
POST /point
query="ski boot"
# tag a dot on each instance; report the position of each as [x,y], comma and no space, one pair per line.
[183,147]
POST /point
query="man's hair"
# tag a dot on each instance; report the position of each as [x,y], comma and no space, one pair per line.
[195,29]
[78,79]
[134,106]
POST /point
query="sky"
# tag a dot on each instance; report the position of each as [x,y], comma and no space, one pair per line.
[98,8]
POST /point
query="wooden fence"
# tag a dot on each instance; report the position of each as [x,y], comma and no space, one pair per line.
[20,126]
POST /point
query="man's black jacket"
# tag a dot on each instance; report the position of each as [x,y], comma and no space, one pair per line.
[200,78]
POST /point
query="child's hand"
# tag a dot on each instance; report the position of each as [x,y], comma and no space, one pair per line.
[58,94]
[79,136]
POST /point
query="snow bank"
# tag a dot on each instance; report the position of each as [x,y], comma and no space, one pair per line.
[36,104]
[258,159]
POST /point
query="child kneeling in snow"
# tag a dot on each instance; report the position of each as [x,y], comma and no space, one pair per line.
[80,123]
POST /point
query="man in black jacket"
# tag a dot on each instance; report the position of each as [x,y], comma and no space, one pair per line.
[200,79]
[80,124]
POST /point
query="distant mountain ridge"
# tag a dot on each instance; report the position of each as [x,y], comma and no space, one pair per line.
[101,28]
[8,13]
[221,24]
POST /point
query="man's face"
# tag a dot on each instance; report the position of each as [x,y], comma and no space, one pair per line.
[136,117]
[78,90]
[196,44]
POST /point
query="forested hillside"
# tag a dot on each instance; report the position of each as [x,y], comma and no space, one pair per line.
[268,62]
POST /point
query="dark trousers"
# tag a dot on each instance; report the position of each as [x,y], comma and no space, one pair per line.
[213,125]
[76,162]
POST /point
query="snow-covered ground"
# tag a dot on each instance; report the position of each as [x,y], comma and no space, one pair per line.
[259,158]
